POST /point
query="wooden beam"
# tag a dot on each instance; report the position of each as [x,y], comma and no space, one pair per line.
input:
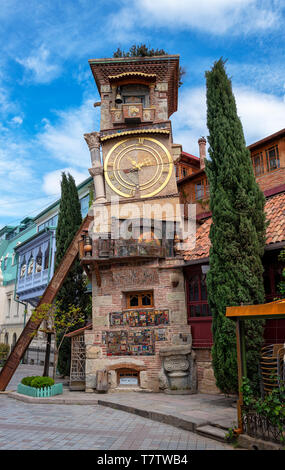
[241,363]
[97,274]
[48,297]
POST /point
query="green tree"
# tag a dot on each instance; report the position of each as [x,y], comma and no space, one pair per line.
[237,232]
[73,291]
[58,321]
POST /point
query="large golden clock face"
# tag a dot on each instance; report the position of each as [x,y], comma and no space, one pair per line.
[138,167]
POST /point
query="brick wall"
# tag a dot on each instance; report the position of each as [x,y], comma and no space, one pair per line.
[205,373]
[110,297]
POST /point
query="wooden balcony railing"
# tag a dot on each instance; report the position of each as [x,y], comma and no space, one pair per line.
[102,249]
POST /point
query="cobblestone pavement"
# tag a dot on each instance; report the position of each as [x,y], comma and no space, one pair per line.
[81,427]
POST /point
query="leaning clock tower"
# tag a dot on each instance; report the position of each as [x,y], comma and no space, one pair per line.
[140,338]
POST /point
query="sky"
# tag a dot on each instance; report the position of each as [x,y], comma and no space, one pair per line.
[47,90]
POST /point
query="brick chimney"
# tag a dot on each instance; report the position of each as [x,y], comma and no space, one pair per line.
[202,151]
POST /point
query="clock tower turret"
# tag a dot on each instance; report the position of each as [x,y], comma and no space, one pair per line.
[139,305]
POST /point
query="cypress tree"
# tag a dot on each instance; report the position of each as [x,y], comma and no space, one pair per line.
[237,232]
[73,290]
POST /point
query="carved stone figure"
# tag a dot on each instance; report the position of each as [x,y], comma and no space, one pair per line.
[178,373]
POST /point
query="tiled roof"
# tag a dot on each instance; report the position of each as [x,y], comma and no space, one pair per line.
[275,211]
[202,246]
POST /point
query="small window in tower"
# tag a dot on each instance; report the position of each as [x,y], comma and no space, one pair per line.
[134,300]
[146,299]
[139,299]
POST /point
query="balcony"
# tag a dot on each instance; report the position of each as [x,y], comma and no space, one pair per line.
[33,285]
[132,113]
[106,250]
[35,265]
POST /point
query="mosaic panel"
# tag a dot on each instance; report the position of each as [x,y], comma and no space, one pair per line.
[124,343]
[137,318]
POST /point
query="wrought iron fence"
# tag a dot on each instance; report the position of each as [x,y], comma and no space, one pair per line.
[36,356]
[256,425]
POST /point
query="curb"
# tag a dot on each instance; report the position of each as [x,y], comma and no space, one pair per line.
[52,400]
[252,443]
[156,416]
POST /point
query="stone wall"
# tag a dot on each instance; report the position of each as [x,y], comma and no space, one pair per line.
[205,373]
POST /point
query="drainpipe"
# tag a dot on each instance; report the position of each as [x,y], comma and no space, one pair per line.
[48,345]
[16,299]
[50,254]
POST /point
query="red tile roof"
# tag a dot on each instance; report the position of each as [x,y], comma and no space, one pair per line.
[275,211]
[79,331]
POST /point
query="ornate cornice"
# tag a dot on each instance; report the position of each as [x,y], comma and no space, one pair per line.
[138,131]
[92,140]
[150,76]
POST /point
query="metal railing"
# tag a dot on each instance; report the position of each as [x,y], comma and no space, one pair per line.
[36,356]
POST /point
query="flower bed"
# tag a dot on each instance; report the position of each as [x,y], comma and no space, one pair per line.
[37,386]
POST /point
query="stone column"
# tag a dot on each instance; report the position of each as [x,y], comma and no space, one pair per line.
[96,171]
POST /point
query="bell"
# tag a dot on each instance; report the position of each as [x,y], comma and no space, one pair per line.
[118,99]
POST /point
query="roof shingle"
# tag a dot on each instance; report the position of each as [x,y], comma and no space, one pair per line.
[275,212]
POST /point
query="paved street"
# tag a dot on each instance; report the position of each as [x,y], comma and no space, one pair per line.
[74,427]
[82,427]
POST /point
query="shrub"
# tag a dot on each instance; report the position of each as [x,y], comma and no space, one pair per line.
[271,407]
[27,380]
[40,382]
[4,349]
[37,381]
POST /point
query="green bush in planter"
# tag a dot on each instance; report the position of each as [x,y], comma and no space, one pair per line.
[38,381]
[27,380]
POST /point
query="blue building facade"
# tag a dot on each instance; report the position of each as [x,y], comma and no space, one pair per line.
[36,258]
[27,259]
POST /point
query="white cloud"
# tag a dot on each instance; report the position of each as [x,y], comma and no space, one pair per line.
[189,122]
[64,140]
[267,75]
[18,120]
[261,114]
[214,16]
[52,180]
[40,66]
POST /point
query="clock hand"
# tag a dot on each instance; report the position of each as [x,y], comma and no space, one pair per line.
[133,162]
[144,163]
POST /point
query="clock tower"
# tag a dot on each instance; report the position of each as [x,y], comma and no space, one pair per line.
[140,336]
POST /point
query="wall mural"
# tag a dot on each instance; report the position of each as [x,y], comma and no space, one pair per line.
[132,343]
[137,342]
[150,317]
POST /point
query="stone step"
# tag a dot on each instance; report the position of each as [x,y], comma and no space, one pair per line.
[212,432]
